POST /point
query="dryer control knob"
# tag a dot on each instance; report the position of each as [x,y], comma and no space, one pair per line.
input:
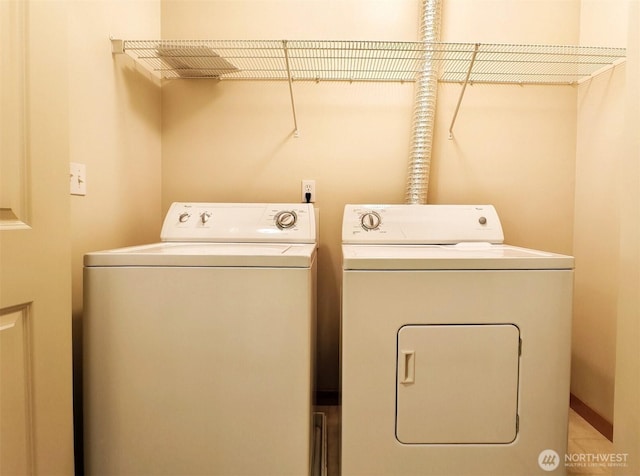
[184,216]
[370,221]
[286,219]
[482,220]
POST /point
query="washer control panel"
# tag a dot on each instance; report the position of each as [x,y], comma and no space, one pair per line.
[240,222]
[421,224]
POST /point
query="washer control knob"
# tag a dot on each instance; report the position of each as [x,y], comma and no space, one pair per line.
[184,216]
[204,217]
[286,219]
[482,220]
[370,221]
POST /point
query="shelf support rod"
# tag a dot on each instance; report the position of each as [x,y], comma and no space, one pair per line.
[464,86]
[290,79]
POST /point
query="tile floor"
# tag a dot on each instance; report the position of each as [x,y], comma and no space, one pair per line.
[583,440]
[586,442]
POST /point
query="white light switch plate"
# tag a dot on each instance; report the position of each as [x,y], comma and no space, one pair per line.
[78,178]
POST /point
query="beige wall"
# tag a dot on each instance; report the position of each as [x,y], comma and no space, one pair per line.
[514,146]
[626,435]
[600,154]
[114,128]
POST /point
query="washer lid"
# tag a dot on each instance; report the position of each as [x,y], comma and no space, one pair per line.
[240,223]
[463,256]
[272,255]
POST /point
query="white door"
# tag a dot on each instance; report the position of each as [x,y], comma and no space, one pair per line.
[457,384]
[36,432]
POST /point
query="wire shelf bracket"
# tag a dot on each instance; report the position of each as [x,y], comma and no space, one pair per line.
[464,87]
[290,81]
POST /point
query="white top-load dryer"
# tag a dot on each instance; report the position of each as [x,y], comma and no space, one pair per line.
[455,351]
[198,350]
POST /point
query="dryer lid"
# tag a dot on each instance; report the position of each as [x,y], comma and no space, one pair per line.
[464,256]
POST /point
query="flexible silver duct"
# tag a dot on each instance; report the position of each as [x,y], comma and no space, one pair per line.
[424,108]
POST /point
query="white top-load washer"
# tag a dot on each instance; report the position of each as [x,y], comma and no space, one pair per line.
[455,352]
[198,350]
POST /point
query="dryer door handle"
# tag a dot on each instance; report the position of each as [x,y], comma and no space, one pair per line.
[408,367]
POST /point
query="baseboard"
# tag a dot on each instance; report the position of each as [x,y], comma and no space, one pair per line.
[592,417]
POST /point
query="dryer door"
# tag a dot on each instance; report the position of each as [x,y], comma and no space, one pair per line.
[457,384]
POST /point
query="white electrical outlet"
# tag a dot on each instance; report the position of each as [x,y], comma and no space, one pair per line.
[78,178]
[309,187]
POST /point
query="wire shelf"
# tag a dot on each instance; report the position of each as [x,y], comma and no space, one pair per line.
[290,60]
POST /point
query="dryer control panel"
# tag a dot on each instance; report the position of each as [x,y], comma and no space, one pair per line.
[420,224]
[240,222]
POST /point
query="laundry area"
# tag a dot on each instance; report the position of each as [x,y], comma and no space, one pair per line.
[406,232]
